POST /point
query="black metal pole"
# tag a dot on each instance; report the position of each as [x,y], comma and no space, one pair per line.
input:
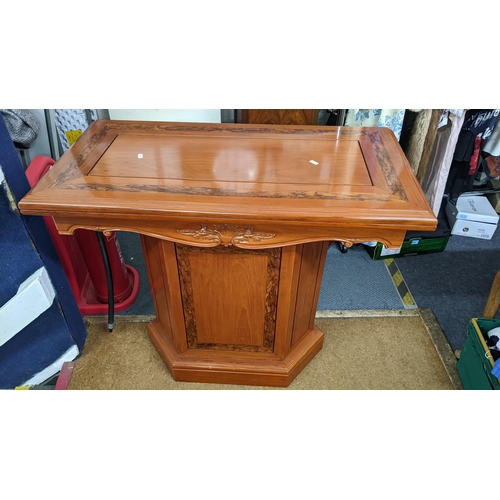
[109,279]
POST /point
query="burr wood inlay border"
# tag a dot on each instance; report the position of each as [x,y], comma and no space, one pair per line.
[94,150]
[271,297]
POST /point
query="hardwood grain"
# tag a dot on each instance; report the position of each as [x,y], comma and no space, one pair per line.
[308,288]
[272,179]
[235,222]
[283,234]
[278,116]
[289,277]
[207,367]
[229,297]
[212,160]
[158,283]
[493,302]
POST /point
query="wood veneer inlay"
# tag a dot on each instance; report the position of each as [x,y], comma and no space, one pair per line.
[226,234]
[266,300]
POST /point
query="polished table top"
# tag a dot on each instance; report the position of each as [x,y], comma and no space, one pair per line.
[286,176]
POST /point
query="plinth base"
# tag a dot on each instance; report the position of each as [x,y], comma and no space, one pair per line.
[233,315]
[210,368]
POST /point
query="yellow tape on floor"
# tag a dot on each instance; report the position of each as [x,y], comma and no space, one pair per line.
[400,284]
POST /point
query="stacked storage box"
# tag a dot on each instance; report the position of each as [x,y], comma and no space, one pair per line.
[417,242]
[472,216]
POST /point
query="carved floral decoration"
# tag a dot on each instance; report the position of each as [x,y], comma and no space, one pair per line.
[226,234]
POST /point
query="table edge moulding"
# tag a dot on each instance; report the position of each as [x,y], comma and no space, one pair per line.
[235,223]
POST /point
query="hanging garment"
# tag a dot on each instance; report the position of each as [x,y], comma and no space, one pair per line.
[422,138]
[408,122]
[446,113]
[457,179]
[481,122]
[22,125]
[478,126]
[436,160]
[465,146]
[492,144]
[417,138]
[475,156]
[491,166]
[477,123]
[440,161]
[430,138]
[390,118]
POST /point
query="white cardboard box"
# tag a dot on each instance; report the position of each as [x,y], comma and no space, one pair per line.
[472,216]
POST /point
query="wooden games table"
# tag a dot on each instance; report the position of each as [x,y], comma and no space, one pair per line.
[235,222]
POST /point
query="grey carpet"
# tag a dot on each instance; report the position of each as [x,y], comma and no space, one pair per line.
[353,281]
[455,283]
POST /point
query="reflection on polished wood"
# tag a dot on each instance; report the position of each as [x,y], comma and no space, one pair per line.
[278,116]
[235,223]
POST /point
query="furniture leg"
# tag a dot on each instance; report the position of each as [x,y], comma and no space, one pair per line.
[493,302]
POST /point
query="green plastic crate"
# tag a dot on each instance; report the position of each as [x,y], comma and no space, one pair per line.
[412,246]
[476,362]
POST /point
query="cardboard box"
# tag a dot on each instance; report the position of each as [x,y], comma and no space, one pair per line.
[472,216]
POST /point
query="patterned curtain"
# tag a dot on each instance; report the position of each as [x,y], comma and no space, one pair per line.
[391,118]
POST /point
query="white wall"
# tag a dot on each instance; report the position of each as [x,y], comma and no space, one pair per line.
[168,115]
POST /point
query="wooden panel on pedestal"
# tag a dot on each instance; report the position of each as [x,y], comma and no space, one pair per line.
[311,273]
[153,258]
[229,297]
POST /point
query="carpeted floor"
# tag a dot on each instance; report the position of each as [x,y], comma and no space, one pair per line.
[353,281]
[363,350]
[455,283]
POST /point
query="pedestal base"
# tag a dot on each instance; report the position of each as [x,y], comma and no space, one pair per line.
[234,315]
[195,367]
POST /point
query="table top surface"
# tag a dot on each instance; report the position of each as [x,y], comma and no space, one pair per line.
[294,174]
